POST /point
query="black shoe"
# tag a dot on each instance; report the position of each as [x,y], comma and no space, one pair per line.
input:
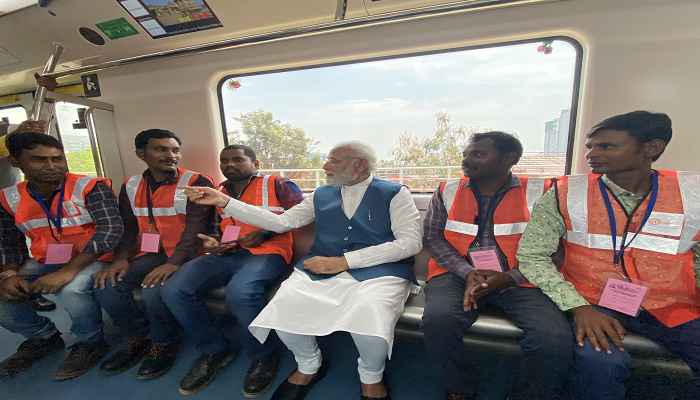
[81,358]
[158,361]
[290,391]
[28,352]
[204,370]
[41,303]
[260,375]
[125,359]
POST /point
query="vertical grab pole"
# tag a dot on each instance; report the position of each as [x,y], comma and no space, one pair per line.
[41,91]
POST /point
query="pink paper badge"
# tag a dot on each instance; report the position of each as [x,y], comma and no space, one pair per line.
[59,253]
[485,259]
[150,243]
[231,234]
[623,296]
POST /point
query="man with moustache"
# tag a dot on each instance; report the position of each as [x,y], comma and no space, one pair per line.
[356,277]
[629,232]
[472,229]
[73,224]
[161,229]
[247,263]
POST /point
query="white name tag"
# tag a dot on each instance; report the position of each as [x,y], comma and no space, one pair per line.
[662,223]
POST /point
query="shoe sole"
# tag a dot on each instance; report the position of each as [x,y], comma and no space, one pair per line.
[155,374]
[249,395]
[113,372]
[226,361]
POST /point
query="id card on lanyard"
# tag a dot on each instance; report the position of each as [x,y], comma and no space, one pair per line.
[622,295]
[56,253]
[150,241]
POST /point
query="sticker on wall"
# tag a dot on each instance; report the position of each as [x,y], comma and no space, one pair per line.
[162,18]
[91,85]
[117,28]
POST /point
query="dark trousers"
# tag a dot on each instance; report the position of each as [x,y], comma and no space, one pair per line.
[246,278]
[602,376]
[118,301]
[547,344]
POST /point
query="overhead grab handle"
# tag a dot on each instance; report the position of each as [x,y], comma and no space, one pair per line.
[41,91]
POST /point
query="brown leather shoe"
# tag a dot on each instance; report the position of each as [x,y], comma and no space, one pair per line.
[128,357]
[28,352]
[81,358]
[260,375]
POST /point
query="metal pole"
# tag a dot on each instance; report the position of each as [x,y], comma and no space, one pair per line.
[41,91]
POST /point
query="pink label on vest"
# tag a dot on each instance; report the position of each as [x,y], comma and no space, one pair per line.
[59,253]
[623,296]
[150,242]
[231,234]
[485,259]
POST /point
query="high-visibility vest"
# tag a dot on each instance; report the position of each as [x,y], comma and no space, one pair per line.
[169,205]
[77,225]
[661,255]
[509,218]
[262,192]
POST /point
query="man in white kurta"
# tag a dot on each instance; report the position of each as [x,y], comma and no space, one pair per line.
[345,284]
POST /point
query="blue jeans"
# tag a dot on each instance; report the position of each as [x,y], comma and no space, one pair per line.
[602,376]
[246,278]
[118,301]
[76,297]
[547,343]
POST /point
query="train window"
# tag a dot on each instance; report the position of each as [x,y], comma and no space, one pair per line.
[79,144]
[13,115]
[417,111]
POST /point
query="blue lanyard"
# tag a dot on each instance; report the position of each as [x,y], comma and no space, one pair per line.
[618,254]
[56,220]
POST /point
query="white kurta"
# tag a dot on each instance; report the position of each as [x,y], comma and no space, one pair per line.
[341,303]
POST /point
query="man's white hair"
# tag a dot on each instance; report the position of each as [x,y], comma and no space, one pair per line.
[360,150]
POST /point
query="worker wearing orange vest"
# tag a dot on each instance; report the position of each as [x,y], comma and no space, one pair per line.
[629,233]
[247,261]
[472,229]
[73,223]
[161,235]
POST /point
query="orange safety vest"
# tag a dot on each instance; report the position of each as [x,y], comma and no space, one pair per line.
[510,217]
[262,192]
[661,255]
[169,204]
[77,225]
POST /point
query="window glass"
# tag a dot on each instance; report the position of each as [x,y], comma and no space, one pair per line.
[417,112]
[13,115]
[76,138]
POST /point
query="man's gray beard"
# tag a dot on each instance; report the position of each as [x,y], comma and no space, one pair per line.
[336,180]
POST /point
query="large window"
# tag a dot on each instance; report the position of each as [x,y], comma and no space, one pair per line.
[80,146]
[417,111]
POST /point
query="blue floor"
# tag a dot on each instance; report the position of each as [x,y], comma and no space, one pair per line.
[408,368]
[410,377]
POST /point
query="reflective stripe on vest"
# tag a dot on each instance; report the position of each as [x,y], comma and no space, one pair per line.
[535,189]
[12,196]
[691,207]
[84,217]
[266,196]
[179,203]
[577,205]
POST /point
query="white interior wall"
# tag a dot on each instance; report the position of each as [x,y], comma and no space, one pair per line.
[638,54]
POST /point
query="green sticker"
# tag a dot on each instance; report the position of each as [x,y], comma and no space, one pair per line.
[117,28]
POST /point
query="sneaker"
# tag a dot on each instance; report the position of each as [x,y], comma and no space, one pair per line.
[81,358]
[28,352]
[204,370]
[125,359]
[159,359]
[260,375]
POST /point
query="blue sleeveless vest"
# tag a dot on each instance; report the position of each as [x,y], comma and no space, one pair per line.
[370,226]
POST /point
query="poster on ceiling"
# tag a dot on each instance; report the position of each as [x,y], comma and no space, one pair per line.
[162,18]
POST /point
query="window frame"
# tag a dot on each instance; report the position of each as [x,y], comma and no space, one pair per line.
[575,94]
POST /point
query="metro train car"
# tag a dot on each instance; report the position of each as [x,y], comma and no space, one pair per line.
[407,88]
